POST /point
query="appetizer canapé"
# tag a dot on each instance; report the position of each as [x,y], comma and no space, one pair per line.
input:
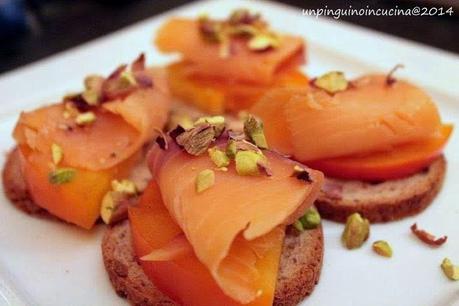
[226,65]
[72,153]
[213,220]
[374,128]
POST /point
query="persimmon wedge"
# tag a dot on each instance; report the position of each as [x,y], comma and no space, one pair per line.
[78,201]
[401,161]
[185,278]
[217,95]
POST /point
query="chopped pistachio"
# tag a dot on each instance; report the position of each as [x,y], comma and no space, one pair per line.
[127,78]
[332,82]
[93,82]
[356,231]
[61,176]
[215,120]
[382,248]
[107,207]
[253,129]
[298,225]
[113,207]
[247,162]
[91,96]
[205,180]
[219,157]
[57,153]
[451,271]
[124,186]
[231,149]
[85,118]
[311,219]
[263,42]
[196,140]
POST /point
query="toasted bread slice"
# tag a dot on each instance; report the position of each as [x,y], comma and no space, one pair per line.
[383,201]
[299,272]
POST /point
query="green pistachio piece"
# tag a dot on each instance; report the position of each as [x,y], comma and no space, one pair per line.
[124,186]
[451,271]
[219,157]
[196,141]
[91,96]
[205,180]
[107,207]
[356,231]
[127,78]
[262,42]
[311,219]
[57,153]
[298,225]
[332,82]
[85,118]
[93,82]
[214,120]
[61,176]
[231,149]
[253,129]
[382,248]
[247,162]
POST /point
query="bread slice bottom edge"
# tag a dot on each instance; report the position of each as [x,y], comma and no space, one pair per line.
[382,201]
[299,271]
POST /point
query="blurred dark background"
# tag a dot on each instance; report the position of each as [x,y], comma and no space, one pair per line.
[34,29]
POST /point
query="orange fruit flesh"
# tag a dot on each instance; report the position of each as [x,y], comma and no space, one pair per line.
[77,201]
[401,161]
[216,96]
[185,279]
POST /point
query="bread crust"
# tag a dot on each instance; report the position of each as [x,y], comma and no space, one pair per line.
[299,271]
[385,201]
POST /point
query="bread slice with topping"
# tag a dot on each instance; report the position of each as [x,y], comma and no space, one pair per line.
[300,266]
[381,201]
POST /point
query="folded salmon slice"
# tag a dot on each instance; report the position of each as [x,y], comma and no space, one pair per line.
[183,36]
[120,129]
[368,117]
[178,273]
[227,224]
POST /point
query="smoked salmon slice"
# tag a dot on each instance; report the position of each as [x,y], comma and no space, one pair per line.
[228,225]
[183,36]
[184,278]
[369,116]
[121,128]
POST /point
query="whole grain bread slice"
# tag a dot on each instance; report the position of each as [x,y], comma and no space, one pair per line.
[383,201]
[299,272]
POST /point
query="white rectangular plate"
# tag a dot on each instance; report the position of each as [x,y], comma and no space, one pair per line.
[50,263]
